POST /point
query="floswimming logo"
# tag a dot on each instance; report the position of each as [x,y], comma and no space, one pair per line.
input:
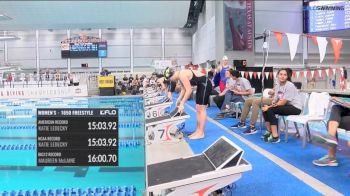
[325,8]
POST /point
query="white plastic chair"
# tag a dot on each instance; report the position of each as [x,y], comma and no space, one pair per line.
[318,105]
[305,98]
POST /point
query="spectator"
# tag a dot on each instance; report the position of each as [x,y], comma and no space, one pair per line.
[222,68]
[134,87]
[9,77]
[105,72]
[339,118]
[230,82]
[211,72]
[57,75]
[118,89]
[239,93]
[125,78]
[253,104]
[47,75]
[287,101]
[131,78]
[343,79]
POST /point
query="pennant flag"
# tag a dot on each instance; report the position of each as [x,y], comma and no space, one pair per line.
[259,74]
[251,74]
[302,74]
[327,72]
[242,72]
[334,71]
[294,74]
[255,74]
[312,73]
[337,45]
[322,46]
[319,72]
[271,74]
[246,74]
[293,40]
[275,74]
[324,72]
[314,39]
[266,75]
[308,73]
[297,73]
[278,36]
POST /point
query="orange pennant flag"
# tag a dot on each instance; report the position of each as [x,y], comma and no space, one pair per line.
[314,39]
[246,74]
[278,36]
[308,74]
[337,45]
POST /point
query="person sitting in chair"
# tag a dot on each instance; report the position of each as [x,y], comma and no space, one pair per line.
[287,101]
[230,83]
[238,93]
[339,118]
[253,104]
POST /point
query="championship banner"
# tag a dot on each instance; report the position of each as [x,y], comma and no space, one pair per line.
[105,81]
[44,92]
[239,25]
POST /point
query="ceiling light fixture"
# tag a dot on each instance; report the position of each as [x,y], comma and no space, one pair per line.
[8,37]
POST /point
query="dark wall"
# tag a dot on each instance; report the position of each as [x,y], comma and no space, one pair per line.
[256,83]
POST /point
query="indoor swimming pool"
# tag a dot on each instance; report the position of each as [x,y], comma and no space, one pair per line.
[21,176]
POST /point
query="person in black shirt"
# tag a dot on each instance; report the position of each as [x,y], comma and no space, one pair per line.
[125,78]
[105,72]
[211,72]
[131,78]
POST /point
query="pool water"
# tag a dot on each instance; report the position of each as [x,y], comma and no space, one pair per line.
[19,174]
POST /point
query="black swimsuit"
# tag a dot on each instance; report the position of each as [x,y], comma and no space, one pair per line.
[204,88]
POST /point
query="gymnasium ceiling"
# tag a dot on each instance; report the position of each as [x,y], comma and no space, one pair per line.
[30,15]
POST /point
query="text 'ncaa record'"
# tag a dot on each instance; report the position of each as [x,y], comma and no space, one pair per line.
[77,137]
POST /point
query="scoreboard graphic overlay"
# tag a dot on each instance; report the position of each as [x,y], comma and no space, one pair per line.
[77,137]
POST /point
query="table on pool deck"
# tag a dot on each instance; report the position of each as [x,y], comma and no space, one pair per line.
[332,92]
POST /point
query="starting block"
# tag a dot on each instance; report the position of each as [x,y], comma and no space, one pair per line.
[165,128]
[151,95]
[156,110]
[155,100]
[221,164]
[151,89]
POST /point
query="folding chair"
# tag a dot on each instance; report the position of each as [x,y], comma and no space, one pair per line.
[318,105]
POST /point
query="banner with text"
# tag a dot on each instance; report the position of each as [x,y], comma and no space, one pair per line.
[44,92]
[239,26]
[105,81]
